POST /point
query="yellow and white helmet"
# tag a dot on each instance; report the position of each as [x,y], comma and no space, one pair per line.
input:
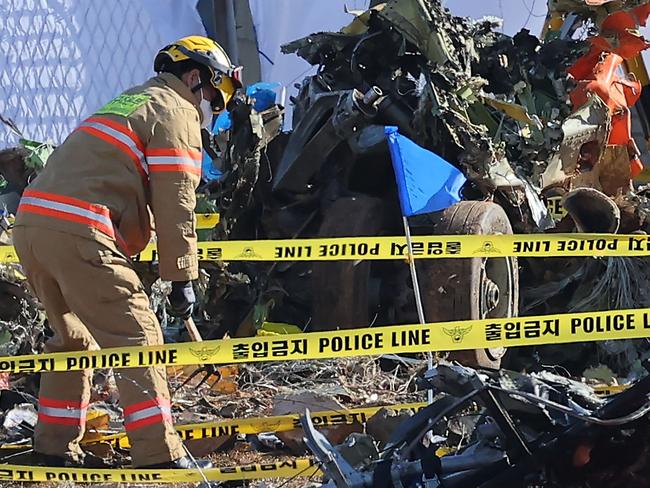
[224,76]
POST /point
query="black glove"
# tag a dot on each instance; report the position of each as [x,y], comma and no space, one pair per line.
[181,299]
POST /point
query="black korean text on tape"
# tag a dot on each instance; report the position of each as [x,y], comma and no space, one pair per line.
[424,247]
[445,336]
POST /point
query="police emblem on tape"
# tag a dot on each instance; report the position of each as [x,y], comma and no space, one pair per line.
[487,247]
[248,253]
[269,425]
[204,353]
[458,333]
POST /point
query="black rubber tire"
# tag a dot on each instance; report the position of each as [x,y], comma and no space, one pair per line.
[341,288]
[451,288]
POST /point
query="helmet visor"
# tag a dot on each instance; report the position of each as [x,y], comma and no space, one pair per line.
[236,74]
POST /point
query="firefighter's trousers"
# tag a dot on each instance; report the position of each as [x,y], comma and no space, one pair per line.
[93,297]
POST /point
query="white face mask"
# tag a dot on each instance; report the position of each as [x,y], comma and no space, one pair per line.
[206,111]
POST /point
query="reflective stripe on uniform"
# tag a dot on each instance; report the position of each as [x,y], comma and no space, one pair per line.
[169,159]
[61,412]
[70,209]
[67,208]
[147,413]
[119,136]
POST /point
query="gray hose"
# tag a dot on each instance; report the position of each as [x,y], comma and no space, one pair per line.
[533,399]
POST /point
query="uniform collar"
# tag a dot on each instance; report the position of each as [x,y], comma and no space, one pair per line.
[181,88]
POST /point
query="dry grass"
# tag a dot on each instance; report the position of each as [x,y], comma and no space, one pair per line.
[354,382]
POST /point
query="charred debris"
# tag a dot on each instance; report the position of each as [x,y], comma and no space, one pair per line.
[506,429]
[524,120]
[544,139]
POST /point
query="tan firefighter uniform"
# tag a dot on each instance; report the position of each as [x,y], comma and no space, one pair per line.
[78,222]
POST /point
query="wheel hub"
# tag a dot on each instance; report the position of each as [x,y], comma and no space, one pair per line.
[490,294]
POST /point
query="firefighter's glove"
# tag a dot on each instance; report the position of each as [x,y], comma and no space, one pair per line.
[181,299]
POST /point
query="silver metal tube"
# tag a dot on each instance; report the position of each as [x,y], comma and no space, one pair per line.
[231,32]
[418,296]
[535,400]
[477,459]
[372,95]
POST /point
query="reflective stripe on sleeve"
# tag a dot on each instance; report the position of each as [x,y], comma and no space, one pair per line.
[72,210]
[169,159]
[67,208]
[119,136]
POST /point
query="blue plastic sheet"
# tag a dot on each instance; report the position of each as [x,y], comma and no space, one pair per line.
[208,171]
[263,93]
[425,181]
[223,123]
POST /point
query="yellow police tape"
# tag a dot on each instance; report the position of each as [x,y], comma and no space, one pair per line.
[284,469]
[283,423]
[443,336]
[424,247]
[280,423]
[254,425]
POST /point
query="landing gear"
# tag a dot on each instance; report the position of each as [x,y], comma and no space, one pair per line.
[472,288]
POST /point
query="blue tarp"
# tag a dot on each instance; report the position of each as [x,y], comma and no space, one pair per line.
[208,171]
[425,181]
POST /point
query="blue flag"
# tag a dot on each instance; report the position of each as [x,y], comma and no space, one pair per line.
[425,181]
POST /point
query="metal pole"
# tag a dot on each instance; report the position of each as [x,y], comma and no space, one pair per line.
[416,292]
[192,330]
[215,24]
[231,31]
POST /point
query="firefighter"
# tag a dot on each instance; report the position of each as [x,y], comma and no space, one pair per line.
[132,165]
